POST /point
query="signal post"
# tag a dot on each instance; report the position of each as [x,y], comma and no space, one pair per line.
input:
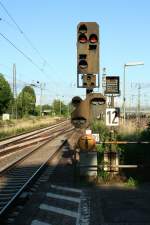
[111,158]
[88,78]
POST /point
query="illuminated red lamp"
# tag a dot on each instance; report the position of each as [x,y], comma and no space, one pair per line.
[93,38]
[82,38]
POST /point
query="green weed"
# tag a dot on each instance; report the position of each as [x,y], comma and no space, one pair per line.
[131,182]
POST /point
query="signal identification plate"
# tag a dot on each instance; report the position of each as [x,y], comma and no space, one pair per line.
[112,118]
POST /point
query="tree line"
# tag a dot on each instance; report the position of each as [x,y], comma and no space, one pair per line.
[25,103]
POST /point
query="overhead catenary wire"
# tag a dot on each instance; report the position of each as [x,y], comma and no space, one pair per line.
[19,80]
[22,32]
[21,84]
[21,52]
[25,55]
[45,62]
[8,23]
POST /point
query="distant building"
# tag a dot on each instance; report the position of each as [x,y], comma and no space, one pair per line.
[46,112]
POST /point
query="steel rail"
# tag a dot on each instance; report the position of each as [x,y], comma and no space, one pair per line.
[33,150]
[22,136]
[123,142]
[34,129]
[29,142]
[34,175]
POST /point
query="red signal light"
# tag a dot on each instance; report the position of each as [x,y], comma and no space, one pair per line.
[93,38]
[82,38]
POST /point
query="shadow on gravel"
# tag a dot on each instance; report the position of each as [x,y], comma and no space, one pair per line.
[136,154]
[108,203]
[12,182]
[119,205]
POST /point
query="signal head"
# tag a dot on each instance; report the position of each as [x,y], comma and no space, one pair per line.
[88,48]
[82,38]
[93,38]
[76,101]
[82,28]
[83,64]
[79,122]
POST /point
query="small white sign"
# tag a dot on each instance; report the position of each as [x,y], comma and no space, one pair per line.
[88,131]
[96,137]
[5,116]
[112,118]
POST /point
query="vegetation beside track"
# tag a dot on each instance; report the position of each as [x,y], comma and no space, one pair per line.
[136,154]
[15,127]
[104,135]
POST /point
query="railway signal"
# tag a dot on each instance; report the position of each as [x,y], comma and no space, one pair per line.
[82,116]
[87,54]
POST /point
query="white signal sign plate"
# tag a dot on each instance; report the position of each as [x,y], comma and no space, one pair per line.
[112,118]
[88,131]
[96,137]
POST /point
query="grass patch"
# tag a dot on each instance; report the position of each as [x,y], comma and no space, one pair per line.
[15,127]
[131,183]
[105,134]
[136,154]
[129,154]
[103,176]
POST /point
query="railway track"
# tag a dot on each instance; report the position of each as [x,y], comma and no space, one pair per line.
[18,175]
[15,143]
[34,130]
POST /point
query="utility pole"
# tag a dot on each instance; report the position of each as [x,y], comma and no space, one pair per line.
[139,104]
[124,84]
[14,107]
[42,87]
[104,80]
[41,97]
[60,107]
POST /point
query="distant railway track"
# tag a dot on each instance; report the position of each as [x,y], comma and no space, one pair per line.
[27,139]
[16,177]
[58,121]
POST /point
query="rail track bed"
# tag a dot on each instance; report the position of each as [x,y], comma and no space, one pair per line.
[56,198]
[15,143]
[23,150]
[18,174]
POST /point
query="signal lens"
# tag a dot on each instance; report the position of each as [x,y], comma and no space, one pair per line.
[83,64]
[93,38]
[82,38]
[83,28]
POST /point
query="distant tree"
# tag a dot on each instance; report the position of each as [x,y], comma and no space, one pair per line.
[59,108]
[37,110]
[70,108]
[46,106]
[56,107]
[6,96]
[26,101]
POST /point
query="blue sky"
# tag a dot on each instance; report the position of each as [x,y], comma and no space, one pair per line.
[51,26]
